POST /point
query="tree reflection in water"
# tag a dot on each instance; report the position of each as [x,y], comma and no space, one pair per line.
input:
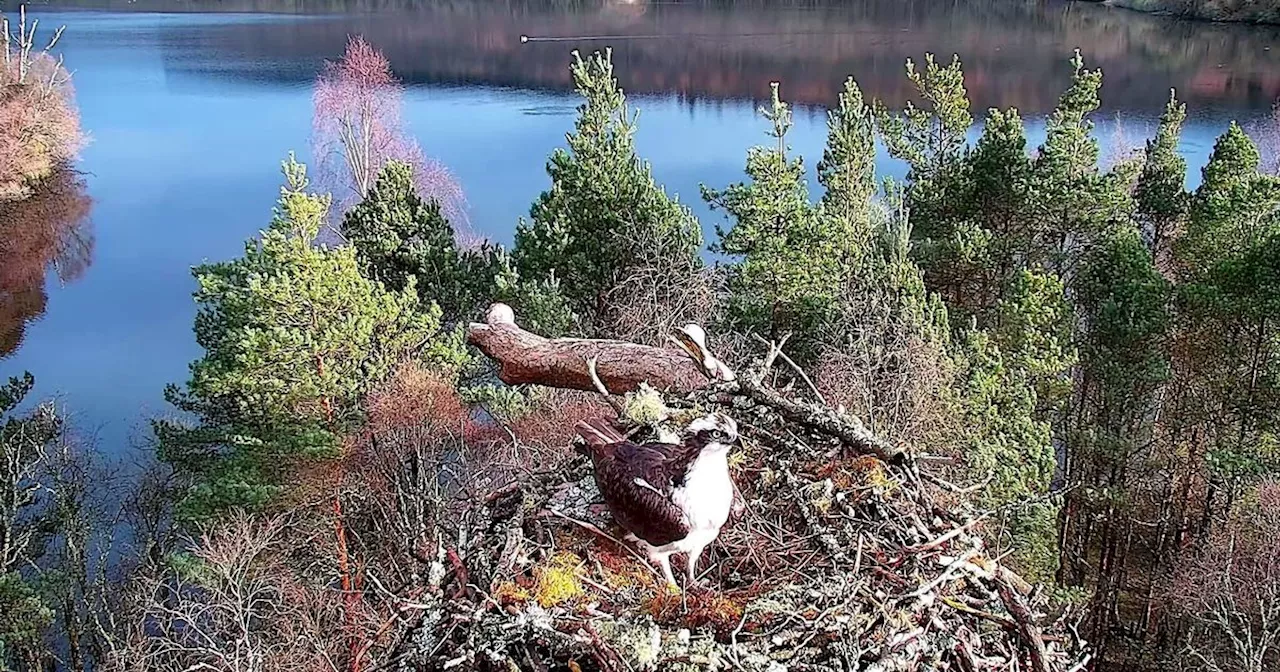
[48,230]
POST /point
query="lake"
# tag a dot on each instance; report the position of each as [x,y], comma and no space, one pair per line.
[191,107]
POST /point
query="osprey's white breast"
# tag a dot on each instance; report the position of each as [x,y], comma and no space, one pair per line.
[707,493]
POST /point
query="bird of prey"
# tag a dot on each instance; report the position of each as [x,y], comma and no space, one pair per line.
[670,497]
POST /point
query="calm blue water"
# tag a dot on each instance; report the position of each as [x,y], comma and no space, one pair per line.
[190,115]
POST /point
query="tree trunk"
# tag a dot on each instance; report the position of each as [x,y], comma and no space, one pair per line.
[524,357]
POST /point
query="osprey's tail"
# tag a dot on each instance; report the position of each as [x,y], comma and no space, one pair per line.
[595,434]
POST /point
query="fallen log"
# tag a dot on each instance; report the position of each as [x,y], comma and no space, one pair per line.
[527,358]
[524,357]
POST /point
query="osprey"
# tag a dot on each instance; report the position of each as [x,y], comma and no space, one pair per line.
[670,497]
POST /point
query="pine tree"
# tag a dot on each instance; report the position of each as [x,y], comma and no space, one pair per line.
[1006,442]
[931,139]
[848,168]
[293,336]
[1161,193]
[790,257]
[605,230]
[1233,210]
[398,236]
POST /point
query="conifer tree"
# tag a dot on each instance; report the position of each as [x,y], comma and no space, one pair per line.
[790,259]
[1227,307]
[847,171]
[1161,194]
[605,231]
[398,236]
[931,139]
[1006,442]
[293,336]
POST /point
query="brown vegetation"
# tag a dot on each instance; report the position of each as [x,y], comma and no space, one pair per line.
[1230,590]
[39,125]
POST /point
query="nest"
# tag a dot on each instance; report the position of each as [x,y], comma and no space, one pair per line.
[845,560]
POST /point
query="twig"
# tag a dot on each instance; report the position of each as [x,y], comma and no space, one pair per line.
[588,526]
[847,428]
[930,545]
[986,615]
[776,351]
[600,387]
[1026,627]
[947,485]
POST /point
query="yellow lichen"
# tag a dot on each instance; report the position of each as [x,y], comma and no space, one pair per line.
[880,481]
[558,581]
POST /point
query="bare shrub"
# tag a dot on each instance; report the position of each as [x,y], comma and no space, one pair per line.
[233,604]
[1230,590]
[358,127]
[404,463]
[658,295]
[895,381]
[39,124]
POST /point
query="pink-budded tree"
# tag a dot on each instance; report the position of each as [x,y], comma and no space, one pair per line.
[358,127]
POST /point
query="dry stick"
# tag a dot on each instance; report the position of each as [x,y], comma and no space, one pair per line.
[848,429]
[964,658]
[775,350]
[952,487]
[828,540]
[600,387]
[1026,626]
[588,526]
[986,615]
[930,545]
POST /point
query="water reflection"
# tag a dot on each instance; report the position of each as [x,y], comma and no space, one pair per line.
[1014,52]
[48,231]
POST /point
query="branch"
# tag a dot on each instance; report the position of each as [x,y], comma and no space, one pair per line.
[1026,626]
[524,357]
[848,429]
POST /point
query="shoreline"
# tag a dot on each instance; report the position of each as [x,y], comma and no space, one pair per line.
[1206,11]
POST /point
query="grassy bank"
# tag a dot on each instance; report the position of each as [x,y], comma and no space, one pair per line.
[1244,11]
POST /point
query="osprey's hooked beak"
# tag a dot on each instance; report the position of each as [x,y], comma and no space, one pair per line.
[693,340]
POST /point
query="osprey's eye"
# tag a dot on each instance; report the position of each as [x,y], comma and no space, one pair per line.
[718,435]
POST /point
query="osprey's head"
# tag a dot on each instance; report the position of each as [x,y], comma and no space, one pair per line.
[715,431]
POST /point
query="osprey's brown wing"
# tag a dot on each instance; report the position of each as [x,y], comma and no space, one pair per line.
[636,483]
[596,433]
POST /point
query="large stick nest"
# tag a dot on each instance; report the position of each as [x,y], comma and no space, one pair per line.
[844,559]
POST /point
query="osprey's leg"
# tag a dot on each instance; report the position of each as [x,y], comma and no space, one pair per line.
[658,555]
[694,554]
[664,561]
